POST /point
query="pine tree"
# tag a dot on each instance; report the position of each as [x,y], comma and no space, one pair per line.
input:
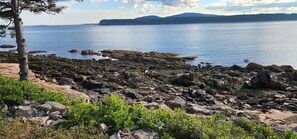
[10,11]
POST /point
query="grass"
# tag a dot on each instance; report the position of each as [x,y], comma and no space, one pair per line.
[19,130]
[14,92]
[83,119]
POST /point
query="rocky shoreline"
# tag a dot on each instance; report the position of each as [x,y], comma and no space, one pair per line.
[165,80]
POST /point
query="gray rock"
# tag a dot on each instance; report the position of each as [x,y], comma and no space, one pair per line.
[56,106]
[7,46]
[90,52]
[45,107]
[149,99]
[232,100]
[40,120]
[271,105]
[133,95]
[104,91]
[280,128]
[262,80]
[141,134]
[254,67]
[56,115]
[186,79]
[55,124]
[152,105]
[73,51]
[103,127]
[199,110]
[48,122]
[65,81]
[200,96]
[26,103]
[10,119]
[25,111]
[253,101]
[116,135]
[90,84]
[170,89]
[246,106]
[287,68]
[176,102]
[41,113]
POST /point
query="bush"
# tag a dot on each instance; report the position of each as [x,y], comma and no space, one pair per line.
[83,118]
[170,124]
[14,92]
[19,130]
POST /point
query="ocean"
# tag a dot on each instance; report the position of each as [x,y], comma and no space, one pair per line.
[220,44]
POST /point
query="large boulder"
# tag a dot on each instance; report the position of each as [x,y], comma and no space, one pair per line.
[261,80]
[25,111]
[90,52]
[287,68]
[254,67]
[200,96]
[176,102]
[65,81]
[186,79]
[45,107]
[56,106]
[90,84]
[199,110]
[131,94]
[264,80]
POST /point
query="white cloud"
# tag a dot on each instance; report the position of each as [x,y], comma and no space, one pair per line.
[74,16]
[174,3]
[256,6]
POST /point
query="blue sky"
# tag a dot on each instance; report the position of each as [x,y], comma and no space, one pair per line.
[92,11]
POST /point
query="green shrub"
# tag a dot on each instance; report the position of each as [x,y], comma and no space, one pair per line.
[19,130]
[169,124]
[14,92]
[115,113]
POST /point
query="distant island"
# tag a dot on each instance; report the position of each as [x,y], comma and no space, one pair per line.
[191,18]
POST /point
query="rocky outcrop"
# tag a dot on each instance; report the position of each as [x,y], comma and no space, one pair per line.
[48,114]
[90,52]
[7,46]
[73,51]
[163,80]
[176,102]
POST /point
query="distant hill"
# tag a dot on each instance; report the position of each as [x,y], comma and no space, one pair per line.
[148,17]
[191,15]
[191,18]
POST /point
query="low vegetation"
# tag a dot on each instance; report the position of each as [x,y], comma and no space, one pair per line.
[14,92]
[174,124]
[20,130]
[83,119]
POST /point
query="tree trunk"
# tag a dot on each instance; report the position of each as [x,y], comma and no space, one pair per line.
[21,43]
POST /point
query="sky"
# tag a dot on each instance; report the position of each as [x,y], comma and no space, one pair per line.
[92,11]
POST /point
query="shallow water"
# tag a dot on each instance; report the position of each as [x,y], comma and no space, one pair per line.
[220,44]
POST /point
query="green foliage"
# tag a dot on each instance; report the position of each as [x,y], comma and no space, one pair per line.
[14,92]
[169,124]
[260,131]
[114,112]
[19,130]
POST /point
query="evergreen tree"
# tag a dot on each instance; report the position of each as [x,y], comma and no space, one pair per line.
[10,11]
